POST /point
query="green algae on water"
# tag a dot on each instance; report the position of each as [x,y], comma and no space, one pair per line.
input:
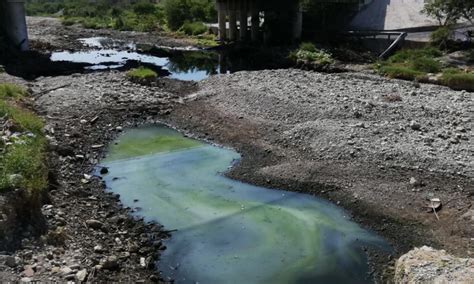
[147,141]
[229,231]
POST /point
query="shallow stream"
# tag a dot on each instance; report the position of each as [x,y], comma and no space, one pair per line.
[228,231]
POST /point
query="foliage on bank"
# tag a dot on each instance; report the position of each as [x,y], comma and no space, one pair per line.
[23,144]
[142,73]
[144,16]
[425,65]
[308,53]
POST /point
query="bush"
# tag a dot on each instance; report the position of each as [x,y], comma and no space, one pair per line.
[144,8]
[195,28]
[142,73]
[401,72]
[11,91]
[179,11]
[307,52]
[458,80]
[440,38]
[425,64]
[308,46]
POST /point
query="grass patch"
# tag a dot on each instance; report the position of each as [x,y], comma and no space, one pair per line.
[142,73]
[193,28]
[400,72]
[11,91]
[308,53]
[411,64]
[22,158]
[458,80]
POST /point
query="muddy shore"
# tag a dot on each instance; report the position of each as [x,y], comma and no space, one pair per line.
[377,147]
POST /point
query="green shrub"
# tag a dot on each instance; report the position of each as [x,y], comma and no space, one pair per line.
[195,28]
[68,21]
[401,72]
[144,8]
[308,46]
[26,161]
[22,164]
[11,91]
[425,64]
[179,11]
[142,73]
[458,80]
[308,53]
[440,38]
[407,55]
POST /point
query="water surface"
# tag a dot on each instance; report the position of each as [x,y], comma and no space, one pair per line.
[228,231]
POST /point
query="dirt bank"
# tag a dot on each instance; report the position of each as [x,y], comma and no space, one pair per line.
[90,236]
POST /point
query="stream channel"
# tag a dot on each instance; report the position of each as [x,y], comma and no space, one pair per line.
[228,231]
[187,64]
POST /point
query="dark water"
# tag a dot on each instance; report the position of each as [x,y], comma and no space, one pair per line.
[228,231]
[183,64]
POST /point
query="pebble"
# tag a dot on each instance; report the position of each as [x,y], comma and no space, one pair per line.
[81,275]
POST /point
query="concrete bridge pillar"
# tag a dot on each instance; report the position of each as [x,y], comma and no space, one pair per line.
[298,22]
[243,20]
[14,22]
[255,28]
[222,15]
[232,20]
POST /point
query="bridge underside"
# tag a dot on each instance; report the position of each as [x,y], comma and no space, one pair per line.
[13,22]
[241,20]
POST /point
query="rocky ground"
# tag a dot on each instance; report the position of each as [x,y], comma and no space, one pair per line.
[90,236]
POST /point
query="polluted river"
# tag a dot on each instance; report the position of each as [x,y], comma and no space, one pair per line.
[226,231]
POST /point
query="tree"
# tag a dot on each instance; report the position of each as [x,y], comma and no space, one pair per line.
[449,12]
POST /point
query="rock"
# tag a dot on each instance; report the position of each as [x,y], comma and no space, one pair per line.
[26,280]
[468,216]
[66,270]
[28,272]
[119,128]
[427,265]
[94,224]
[98,249]
[81,275]
[415,125]
[11,261]
[104,171]
[111,263]
[415,182]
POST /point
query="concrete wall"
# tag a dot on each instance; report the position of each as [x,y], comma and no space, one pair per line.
[391,15]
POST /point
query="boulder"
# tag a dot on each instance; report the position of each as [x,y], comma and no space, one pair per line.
[427,265]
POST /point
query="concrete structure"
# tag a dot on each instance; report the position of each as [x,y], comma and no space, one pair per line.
[13,22]
[391,15]
[236,16]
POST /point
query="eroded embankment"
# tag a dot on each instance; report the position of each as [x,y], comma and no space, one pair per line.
[91,237]
[378,147]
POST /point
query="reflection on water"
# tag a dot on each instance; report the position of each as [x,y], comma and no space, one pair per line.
[184,64]
[228,231]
